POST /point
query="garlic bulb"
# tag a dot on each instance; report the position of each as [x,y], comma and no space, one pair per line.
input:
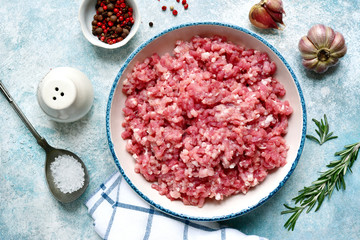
[321,48]
[267,14]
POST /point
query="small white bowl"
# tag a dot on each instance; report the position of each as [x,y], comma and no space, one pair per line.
[235,205]
[86,16]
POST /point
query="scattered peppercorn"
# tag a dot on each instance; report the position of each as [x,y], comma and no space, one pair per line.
[172,8]
[113,20]
[151,24]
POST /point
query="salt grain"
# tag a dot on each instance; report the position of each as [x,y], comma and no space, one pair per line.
[68,174]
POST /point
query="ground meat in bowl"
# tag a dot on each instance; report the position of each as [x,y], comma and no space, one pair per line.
[207,121]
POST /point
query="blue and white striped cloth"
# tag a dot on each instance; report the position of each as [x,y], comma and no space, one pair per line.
[119,213]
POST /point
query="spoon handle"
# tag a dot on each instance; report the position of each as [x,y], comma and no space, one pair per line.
[40,140]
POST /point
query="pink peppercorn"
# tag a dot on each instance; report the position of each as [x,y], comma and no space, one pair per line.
[163,8]
[174,12]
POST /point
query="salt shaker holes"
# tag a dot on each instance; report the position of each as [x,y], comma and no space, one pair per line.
[61,94]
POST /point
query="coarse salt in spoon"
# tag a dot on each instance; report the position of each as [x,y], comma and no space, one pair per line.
[66,175]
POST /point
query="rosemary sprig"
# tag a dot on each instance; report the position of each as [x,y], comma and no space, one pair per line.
[323,186]
[323,131]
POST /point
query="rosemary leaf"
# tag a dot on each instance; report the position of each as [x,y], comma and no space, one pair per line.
[324,186]
[322,131]
[313,138]
[320,200]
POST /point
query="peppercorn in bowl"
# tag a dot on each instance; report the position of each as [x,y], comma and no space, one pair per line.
[109,23]
[206,121]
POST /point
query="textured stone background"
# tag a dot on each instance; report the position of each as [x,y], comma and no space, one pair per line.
[39,35]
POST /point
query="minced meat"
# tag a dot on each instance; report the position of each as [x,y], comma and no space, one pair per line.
[207,121]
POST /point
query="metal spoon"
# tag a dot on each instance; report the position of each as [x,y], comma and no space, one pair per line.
[51,154]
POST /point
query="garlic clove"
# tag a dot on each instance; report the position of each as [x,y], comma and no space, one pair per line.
[321,67]
[315,65]
[307,48]
[339,53]
[260,18]
[321,36]
[329,37]
[310,63]
[276,16]
[332,61]
[275,9]
[274,5]
[338,48]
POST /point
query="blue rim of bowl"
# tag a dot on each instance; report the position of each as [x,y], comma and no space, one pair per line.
[184,216]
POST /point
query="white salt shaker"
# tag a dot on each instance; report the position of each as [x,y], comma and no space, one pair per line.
[65,94]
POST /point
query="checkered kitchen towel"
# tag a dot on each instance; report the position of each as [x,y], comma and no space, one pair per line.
[119,213]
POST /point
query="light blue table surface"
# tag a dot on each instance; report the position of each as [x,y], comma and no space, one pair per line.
[39,35]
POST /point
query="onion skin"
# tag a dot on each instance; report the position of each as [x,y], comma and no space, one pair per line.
[321,48]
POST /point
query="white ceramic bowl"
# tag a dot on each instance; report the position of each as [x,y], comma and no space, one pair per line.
[235,205]
[86,16]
